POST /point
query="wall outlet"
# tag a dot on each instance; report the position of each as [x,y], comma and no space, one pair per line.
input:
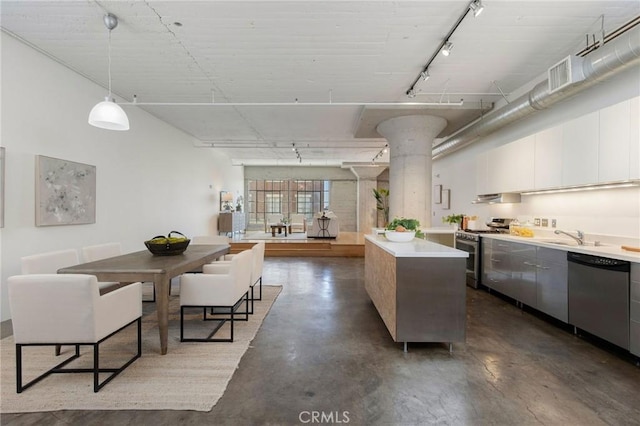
[536,221]
[545,222]
[553,223]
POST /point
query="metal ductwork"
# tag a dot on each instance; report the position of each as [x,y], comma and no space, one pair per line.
[614,57]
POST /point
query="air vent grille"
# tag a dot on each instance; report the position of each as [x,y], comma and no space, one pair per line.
[564,73]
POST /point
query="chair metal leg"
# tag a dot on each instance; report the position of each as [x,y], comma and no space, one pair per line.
[95,369]
[221,321]
[251,301]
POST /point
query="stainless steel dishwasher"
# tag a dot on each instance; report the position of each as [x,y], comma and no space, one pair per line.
[599,296]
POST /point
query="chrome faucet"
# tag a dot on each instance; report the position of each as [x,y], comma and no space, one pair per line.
[579,238]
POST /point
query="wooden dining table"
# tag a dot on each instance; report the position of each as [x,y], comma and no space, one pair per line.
[146,267]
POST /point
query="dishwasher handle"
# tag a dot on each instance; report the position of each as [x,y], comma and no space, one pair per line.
[599,262]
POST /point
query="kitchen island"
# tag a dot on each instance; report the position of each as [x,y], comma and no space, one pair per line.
[418,288]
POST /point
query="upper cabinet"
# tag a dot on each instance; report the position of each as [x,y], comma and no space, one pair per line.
[634,139]
[615,143]
[548,158]
[580,150]
[507,168]
[520,158]
[482,173]
[600,147]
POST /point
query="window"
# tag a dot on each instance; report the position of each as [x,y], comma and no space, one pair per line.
[286,197]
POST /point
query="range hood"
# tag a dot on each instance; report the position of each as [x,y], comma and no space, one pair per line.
[505,197]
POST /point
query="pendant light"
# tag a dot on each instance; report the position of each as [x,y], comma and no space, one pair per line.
[107,114]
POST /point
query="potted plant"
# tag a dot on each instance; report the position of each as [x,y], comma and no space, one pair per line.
[402,225]
[382,203]
[454,220]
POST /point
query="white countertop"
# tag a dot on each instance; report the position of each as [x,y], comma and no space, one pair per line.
[439,230]
[613,251]
[435,230]
[415,248]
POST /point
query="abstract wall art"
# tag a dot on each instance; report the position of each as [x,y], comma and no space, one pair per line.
[65,192]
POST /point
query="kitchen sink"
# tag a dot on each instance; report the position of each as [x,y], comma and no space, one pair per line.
[558,242]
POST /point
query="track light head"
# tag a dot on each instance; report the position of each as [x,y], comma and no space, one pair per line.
[411,93]
[477,7]
[110,21]
[425,75]
[446,49]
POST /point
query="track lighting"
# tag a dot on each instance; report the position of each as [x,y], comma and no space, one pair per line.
[446,45]
[446,49]
[380,153]
[411,93]
[294,149]
[107,114]
[477,7]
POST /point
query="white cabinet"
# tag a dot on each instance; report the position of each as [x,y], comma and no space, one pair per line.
[510,167]
[634,138]
[603,146]
[615,138]
[482,173]
[548,158]
[498,169]
[580,150]
[521,171]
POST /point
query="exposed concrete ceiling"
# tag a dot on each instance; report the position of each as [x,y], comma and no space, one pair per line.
[354,53]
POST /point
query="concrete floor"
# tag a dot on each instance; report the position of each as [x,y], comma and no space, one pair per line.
[323,351]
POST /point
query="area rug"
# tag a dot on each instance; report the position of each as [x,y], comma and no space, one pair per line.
[191,376]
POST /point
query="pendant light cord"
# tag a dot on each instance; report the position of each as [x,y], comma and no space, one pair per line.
[109,67]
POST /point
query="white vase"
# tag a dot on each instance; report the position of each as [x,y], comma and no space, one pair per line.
[455,226]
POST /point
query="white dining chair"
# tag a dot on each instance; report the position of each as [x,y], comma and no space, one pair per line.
[50,262]
[105,251]
[68,309]
[221,293]
[212,240]
[257,267]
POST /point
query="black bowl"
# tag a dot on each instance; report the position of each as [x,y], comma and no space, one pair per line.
[167,249]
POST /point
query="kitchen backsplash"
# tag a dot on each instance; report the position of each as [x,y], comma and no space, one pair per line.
[608,212]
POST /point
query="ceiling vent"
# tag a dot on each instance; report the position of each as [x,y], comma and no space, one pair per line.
[566,72]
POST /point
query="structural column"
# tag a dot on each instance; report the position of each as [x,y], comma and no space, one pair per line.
[367,182]
[410,142]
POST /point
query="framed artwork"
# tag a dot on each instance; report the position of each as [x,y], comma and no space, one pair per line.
[226,201]
[437,194]
[446,199]
[2,186]
[65,192]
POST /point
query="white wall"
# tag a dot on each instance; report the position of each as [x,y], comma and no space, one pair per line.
[150,180]
[608,212]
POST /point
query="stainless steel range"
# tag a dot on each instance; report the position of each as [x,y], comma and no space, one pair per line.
[470,241]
